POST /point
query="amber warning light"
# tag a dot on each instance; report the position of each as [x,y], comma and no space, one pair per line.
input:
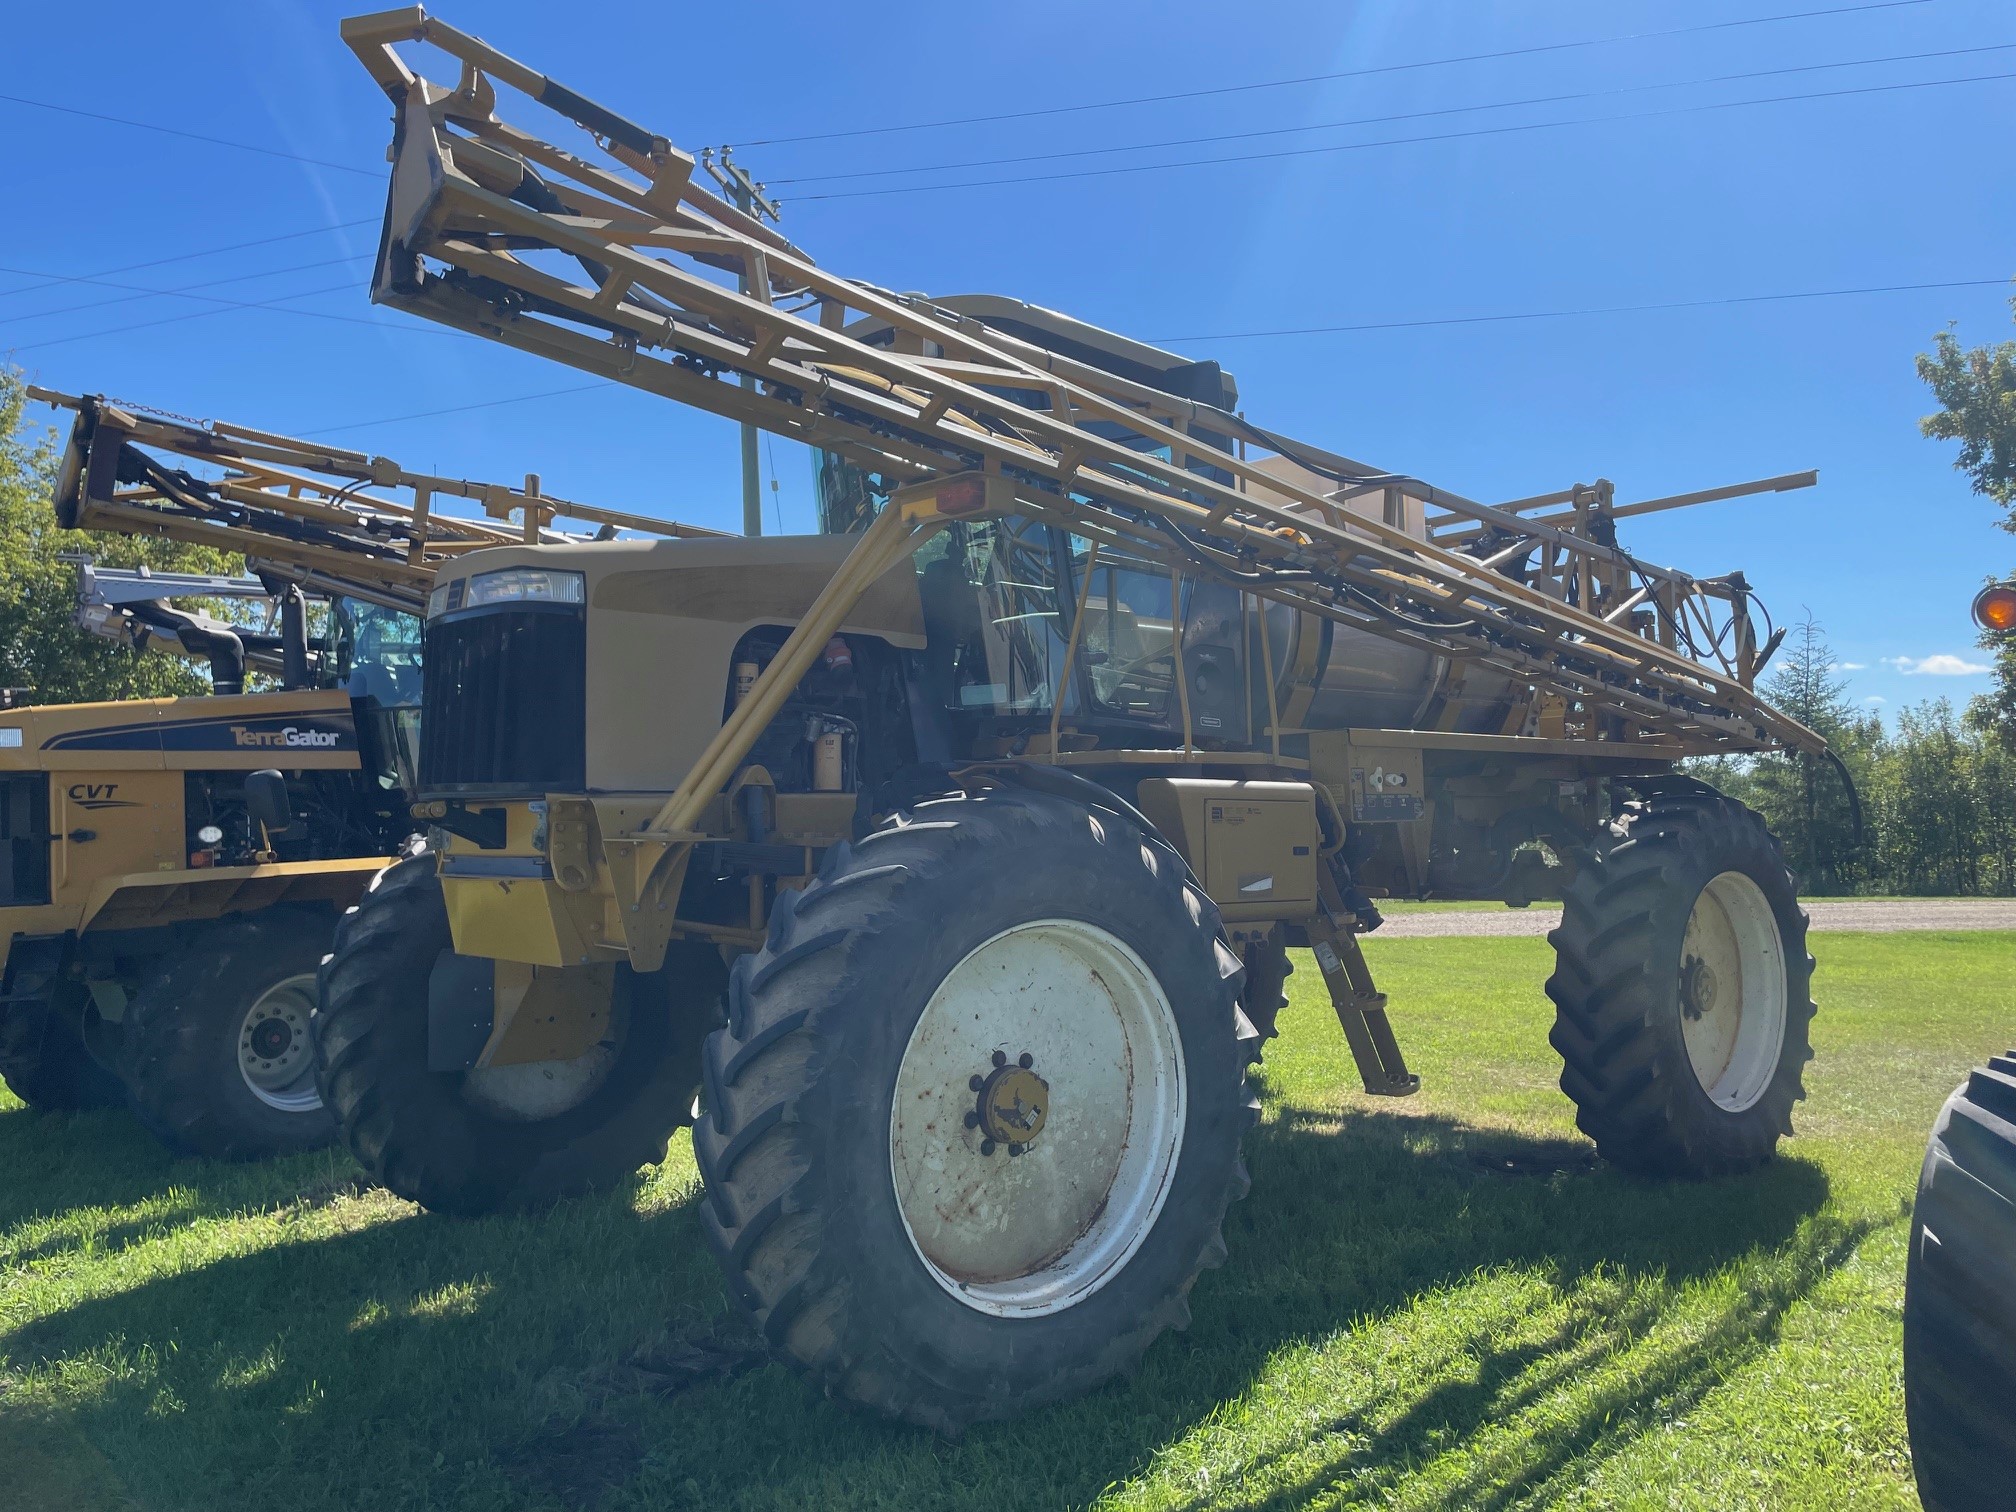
[1995,607]
[963,496]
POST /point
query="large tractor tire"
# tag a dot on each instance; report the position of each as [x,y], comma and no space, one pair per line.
[216,1056]
[1266,992]
[1960,1299]
[506,1137]
[1683,990]
[45,1063]
[971,1130]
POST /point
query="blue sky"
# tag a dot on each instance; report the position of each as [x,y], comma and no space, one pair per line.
[1645,199]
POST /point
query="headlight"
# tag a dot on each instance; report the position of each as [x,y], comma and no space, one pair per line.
[210,835]
[509,585]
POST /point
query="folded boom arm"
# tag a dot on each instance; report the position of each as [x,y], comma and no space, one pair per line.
[608,257]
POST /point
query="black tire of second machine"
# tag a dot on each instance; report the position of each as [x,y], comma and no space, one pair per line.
[45,1063]
[192,1054]
[1960,1299]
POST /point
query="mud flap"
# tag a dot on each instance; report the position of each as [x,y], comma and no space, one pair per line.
[33,968]
[461,1010]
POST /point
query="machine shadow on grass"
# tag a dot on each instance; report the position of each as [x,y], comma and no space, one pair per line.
[584,1358]
[132,1187]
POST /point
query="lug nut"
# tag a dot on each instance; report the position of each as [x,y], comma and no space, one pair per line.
[986,1147]
[1000,1057]
[972,1119]
[1016,1149]
[975,1083]
[1025,1060]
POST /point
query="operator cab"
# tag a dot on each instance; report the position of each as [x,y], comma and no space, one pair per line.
[374,654]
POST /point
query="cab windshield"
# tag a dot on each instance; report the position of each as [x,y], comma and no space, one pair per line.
[999,596]
[373,653]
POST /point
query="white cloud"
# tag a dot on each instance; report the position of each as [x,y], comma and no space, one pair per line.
[1851,666]
[1940,664]
[1875,698]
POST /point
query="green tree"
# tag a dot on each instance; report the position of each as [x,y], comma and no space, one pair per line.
[1928,816]
[1976,390]
[1994,780]
[1801,795]
[41,648]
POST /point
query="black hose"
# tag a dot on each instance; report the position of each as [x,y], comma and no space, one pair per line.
[1854,798]
[1196,554]
[1407,621]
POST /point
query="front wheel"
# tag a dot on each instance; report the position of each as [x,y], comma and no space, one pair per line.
[971,1130]
[505,1137]
[217,1056]
[1683,990]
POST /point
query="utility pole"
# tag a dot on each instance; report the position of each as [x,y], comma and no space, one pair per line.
[746,195]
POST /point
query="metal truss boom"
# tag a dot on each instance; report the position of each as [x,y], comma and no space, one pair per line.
[609,257]
[299,511]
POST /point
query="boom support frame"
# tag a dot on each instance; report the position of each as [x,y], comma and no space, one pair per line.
[327,518]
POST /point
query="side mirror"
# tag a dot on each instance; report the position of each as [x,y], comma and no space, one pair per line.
[266,801]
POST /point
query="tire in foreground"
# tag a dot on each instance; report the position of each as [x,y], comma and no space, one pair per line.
[1960,1299]
[972,1128]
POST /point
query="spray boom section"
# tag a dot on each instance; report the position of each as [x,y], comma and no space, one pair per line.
[521,211]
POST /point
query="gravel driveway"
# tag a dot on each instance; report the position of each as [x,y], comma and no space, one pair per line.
[1867,918]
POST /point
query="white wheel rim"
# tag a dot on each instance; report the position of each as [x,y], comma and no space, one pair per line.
[1732,991]
[535,1091]
[1035,1233]
[275,1056]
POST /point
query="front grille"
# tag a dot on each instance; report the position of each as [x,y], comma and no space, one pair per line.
[24,838]
[505,705]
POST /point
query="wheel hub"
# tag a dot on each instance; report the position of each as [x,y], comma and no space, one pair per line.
[273,1047]
[1698,987]
[1094,1104]
[1013,1105]
[271,1038]
[1733,1000]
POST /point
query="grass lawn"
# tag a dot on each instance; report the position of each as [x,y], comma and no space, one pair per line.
[1436,1303]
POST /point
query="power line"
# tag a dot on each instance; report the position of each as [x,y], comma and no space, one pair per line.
[1628,309]
[1324,78]
[1446,136]
[193,136]
[276,305]
[456,409]
[188,290]
[1383,120]
[226,309]
[1969,283]
[51,280]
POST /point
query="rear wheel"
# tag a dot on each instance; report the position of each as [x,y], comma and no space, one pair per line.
[1682,989]
[972,1128]
[217,1056]
[481,1140]
[45,1063]
[1960,1299]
